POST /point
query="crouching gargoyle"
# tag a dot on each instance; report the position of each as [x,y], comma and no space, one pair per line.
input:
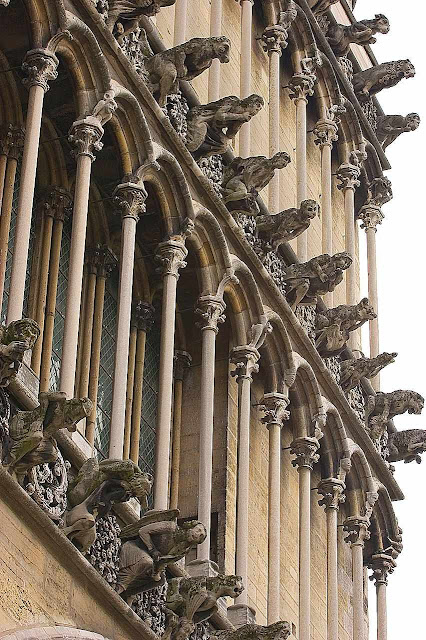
[351,371]
[406,445]
[334,325]
[389,128]
[15,340]
[370,81]
[277,228]
[384,406]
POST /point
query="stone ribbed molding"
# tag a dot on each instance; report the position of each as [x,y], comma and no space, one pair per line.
[40,67]
[85,136]
[182,362]
[348,180]
[171,257]
[274,407]
[332,491]
[245,359]
[129,199]
[305,449]
[357,532]
[210,311]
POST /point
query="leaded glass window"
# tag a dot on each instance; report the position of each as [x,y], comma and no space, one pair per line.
[11,241]
[149,399]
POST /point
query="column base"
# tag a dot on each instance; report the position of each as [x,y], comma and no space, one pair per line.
[206,568]
[241,614]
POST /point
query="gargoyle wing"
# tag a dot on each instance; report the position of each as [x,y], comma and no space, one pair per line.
[194,603]
[132,530]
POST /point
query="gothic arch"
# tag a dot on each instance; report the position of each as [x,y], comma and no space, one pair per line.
[54,633]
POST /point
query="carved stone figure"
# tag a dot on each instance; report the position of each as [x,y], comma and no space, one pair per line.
[285,226]
[151,544]
[370,81]
[245,177]
[277,631]
[316,277]
[15,340]
[340,36]
[407,445]
[390,127]
[384,406]
[32,433]
[212,127]
[351,371]
[125,14]
[184,62]
[379,192]
[96,488]
[334,325]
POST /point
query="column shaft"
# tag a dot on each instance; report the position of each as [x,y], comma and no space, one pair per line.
[332,579]
[274,523]
[302,240]
[349,196]
[304,553]
[87,330]
[245,71]
[181,11]
[95,356]
[177,426]
[129,392]
[372,290]
[215,30]
[274,126]
[6,214]
[358,591]
[3,163]
[243,478]
[137,396]
[382,614]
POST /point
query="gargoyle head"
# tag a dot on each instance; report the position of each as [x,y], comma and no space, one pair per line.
[365,310]
[25,330]
[407,68]
[280,160]
[412,121]
[386,358]
[221,48]
[342,260]
[415,403]
[224,585]
[253,103]
[381,23]
[309,209]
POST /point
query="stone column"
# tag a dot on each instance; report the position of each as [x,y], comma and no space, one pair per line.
[305,450]
[274,406]
[40,66]
[215,30]
[181,11]
[130,199]
[357,530]
[85,135]
[245,359]
[182,363]
[245,70]
[325,133]
[348,176]
[171,256]
[211,313]
[143,315]
[301,86]
[382,565]
[11,143]
[332,490]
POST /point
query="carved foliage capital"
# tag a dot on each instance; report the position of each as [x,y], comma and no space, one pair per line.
[171,257]
[305,450]
[245,359]
[356,529]
[370,216]
[382,565]
[182,362]
[130,200]
[100,261]
[211,313]
[325,133]
[85,136]
[274,406]
[333,493]
[11,140]
[275,39]
[40,67]
[348,174]
[56,203]
[302,86]
[143,315]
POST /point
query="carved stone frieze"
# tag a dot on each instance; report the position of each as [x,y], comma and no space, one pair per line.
[150,606]
[47,484]
[15,339]
[177,109]
[370,111]
[213,169]
[40,68]
[307,316]
[351,371]
[305,450]
[333,326]
[382,76]
[102,7]
[389,128]
[340,36]
[406,445]
[347,68]
[134,50]
[333,365]
[384,406]
[333,493]
[356,400]
[104,552]
[275,229]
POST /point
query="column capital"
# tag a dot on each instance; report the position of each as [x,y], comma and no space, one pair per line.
[348,174]
[325,133]
[182,362]
[245,359]
[382,565]
[100,261]
[55,203]
[40,66]
[11,140]
[357,530]
[302,86]
[143,315]
[333,493]
[305,450]
[171,256]
[211,312]
[274,406]
[274,39]
[370,217]
[85,135]
[129,198]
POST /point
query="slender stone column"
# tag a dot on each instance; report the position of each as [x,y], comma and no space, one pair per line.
[133,339]
[348,176]
[245,70]
[305,450]
[5,142]
[274,406]
[181,11]
[130,199]
[12,143]
[382,565]
[357,529]
[325,133]
[85,135]
[171,256]
[215,30]
[210,310]
[40,66]
[87,324]
[182,363]
[301,86]
[332,490]
[245,359]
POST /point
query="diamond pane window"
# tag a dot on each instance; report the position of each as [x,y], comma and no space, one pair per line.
[149,399]
[11,242]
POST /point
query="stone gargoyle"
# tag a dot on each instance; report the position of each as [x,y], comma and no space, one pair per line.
[97,486]
[245,177]
[32,433]
[352,370]
[149,546]
[384,406]
[277,228]
[277,631]
[370,81]
[340,36]
[333,326]
[212,127]
[390,127]
[15,339]
[184,62]
[320,275]
[124,15]
[406,445]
